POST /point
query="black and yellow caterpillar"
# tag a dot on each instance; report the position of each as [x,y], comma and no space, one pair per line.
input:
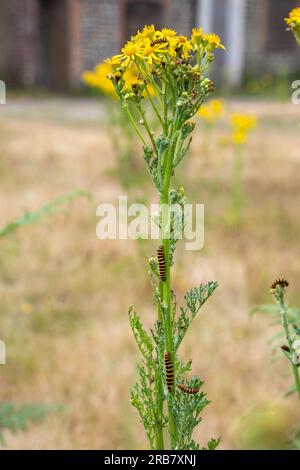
[161,263]
[187,389]
[158,41]
[169,371]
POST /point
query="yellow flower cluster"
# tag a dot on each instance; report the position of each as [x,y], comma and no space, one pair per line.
[242,124]
[206,41]
[293,22]
[212,111]
[151,51]
[157,46]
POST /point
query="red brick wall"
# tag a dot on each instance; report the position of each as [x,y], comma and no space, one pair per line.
[265,29]
[18,41]
[74,14]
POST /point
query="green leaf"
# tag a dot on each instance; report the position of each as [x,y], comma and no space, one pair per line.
[30,218]
[292,389]
[16,419]
[187,411]
[195,299]
[265,308]
[142,339]
[213,444]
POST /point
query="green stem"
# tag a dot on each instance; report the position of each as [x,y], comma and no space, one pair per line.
[285,325]
[167,296]
[154,107]
[135,126]
[159,436]
[147,127]
[237,189]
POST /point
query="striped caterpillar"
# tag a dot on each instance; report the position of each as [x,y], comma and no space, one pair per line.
[161,263]
[190,390]
[158,41]
[211,87]
[279,282]
[169,371]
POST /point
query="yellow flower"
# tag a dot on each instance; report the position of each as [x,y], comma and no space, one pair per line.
[242,124]
[167,33]
[99,78]
[239,137]
[26,308]
[209,41]
[293,22]
[197,36]
[114,61]
[212,111]
[293,19]
[181,46]
[213,41]
[150,89]
[147,32]
[130,52]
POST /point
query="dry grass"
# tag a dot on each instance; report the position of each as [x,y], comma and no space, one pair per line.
[75,348]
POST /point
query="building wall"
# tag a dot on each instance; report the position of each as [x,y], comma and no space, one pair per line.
[73,35]
[182,16]
[19,41]
[103,28]
[269,47]
[99,30]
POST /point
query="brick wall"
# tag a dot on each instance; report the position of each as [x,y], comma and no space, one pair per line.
[182,15]
[84,32]
[18,41]
[99,30]
[268,46]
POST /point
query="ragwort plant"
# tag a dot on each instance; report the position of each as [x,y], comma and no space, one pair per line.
[174,67]
[289,337]
[287,340]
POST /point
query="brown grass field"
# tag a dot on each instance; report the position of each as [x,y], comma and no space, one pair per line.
[65,294]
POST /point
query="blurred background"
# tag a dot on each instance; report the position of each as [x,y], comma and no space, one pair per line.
[65,294]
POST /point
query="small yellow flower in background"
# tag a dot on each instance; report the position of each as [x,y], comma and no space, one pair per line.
[26,308]
[212,111]
[98,78]
[293,22]
[242,125]
[239,137]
